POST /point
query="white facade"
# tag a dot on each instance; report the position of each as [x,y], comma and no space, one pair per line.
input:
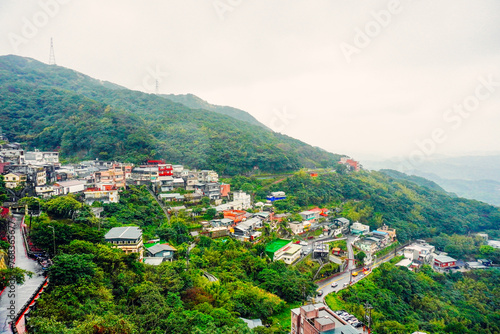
[243,198]
[292,254]
[296,227]
[44,191]
[37,158]
[288,253]
[419,251]
[360,227]
[104,196]
[69,187]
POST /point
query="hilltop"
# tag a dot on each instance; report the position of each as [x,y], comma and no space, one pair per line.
[52,107]
[194,102]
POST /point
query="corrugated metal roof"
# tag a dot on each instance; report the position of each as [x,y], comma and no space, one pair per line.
[159,248]
[124,232]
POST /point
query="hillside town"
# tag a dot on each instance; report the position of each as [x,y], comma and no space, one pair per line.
[350,249]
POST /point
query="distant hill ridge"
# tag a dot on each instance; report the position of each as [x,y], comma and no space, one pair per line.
[194,102]
[52,107]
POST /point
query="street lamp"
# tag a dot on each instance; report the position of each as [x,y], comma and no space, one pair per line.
[53,238]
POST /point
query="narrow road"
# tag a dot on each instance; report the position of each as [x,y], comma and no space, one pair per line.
[21,293]
[341,279]
[346,277]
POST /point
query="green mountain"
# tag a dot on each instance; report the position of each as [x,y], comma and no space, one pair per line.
[475,177]
[194,102]
[482,190]
[51,107]
[412,178]
[374,198]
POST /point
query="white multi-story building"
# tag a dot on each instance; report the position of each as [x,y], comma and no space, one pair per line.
[358,228]
[97,195]
[39,158]
[243,198]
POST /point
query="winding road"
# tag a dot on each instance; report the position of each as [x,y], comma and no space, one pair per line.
[347,277]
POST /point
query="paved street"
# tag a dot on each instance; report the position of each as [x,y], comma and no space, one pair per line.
[22,292]
[326,286]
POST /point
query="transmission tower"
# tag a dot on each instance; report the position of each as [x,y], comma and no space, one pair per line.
[52,57]
[157,87]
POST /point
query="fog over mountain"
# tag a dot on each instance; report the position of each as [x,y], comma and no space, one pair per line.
[386,77]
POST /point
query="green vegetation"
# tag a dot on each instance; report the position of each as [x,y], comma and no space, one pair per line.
[374,198]
[413,178]
[328,270]
[51,107]
[136,207]
[92,283]
[459,246]
[308,266]
[342,244]
[9,275]
[194,102]
[426,301]
[387,249]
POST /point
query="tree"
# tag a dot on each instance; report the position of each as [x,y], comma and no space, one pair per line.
[69,269]
[62,206]
[361,257]
[15,274]
[33,203]
[210,214]
[3,190]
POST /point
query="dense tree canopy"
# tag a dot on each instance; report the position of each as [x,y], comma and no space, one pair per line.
[404,301]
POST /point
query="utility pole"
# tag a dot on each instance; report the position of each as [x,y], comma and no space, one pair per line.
[368,315]
[53,238]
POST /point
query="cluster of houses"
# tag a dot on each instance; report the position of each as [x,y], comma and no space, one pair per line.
[39,173]
[421,252]
[129,240]
[371,242]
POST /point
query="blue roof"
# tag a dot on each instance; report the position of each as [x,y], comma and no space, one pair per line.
[380,232]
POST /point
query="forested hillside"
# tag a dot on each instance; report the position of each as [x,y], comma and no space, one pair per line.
[51,107]
[406,302]
[413,178]
[95,288]
[194,102]
[375,199]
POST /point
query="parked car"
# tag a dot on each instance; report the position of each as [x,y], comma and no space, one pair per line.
[303,243]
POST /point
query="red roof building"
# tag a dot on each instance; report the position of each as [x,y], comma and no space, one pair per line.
[235,215]
[225,189]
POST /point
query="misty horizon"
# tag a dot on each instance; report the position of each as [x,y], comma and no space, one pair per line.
[373,81]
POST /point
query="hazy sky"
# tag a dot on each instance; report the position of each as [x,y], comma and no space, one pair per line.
[363,78]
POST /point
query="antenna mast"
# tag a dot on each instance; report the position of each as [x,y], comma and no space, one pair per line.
[52,57]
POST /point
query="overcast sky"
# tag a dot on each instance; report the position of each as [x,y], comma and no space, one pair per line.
[363,78]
